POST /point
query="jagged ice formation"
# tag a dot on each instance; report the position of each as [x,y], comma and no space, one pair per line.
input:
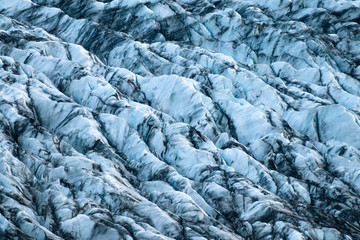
[180,119]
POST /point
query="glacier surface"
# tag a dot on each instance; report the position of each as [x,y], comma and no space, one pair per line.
[180,119]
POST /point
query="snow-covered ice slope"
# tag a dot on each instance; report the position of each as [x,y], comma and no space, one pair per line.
[180,119]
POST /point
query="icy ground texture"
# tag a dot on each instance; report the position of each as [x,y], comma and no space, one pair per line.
[179,119]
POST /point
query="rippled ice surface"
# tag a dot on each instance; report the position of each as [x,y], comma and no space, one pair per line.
[180,119]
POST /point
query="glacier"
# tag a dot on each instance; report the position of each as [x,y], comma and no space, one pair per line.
[180,119]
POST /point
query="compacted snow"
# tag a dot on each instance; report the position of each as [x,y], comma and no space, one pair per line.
[180,119]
